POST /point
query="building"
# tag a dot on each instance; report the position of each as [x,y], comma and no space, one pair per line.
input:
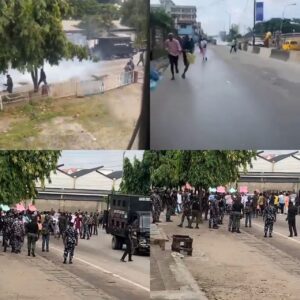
[273,172]
[185,17]
[74,33]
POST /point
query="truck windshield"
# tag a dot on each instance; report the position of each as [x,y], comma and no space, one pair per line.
[145,221]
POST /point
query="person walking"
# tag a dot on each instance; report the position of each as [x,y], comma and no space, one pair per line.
[186,206]
[196,211]
[156,206]
[203,49]
[17,234]
[42,78]
[269,216]
[9,84]
[95,223]
[141,60]
[248,212]
[129,244]
[281,202]
[173,48]
[32,230]
[233,45]
[71,240]
[45,232]
[237,213]
[291,218]
[188,47]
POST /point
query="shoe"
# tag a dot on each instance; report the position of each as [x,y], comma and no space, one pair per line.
[270,235]
[197,227]
[47,250]
[265,235]
[246,225]
[250,226]
[296,234]
[238,231]
[70,261]
[122,260]
[65,261]
[173,78]
[130,260]
[290,236]
[183,76]
[180,225]
[33,255]
[177,71]
[43,250]
[28,253]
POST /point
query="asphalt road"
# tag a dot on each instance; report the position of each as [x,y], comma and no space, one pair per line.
[240,101]
[96,263]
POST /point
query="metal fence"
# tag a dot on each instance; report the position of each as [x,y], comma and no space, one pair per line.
[73,88]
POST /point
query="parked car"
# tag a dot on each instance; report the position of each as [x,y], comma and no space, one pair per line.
[291,45]
[258,42]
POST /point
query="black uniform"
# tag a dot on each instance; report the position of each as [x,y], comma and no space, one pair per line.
[129,244]
[291,218]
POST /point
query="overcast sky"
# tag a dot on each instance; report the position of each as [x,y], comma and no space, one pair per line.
[91,159]
[214,17]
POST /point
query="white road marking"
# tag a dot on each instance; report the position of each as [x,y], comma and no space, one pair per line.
[280,234]
[106,271]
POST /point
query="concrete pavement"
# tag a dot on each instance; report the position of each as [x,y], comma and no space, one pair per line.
[96,270]
[231,101]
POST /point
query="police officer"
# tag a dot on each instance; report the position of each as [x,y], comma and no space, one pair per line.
[248,212]
[269,216]
[7,224]
[174,201]
[17,234]
[213,215]
[237,213]
[129,244]
[71,240]
[9,84]
[186,206]
[169,205]
[156,206]
[291,218]
[196,210]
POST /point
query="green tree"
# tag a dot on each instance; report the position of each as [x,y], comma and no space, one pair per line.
[19,171]
[136,178]
[31,34]
[134,13]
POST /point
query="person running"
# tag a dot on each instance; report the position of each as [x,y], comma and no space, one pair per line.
[188,46]
[203,48]
[291,218]
[42,78]
[233,45]
[173,48]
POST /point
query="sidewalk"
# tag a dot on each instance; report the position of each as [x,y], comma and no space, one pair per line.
[231,266]
[24,277]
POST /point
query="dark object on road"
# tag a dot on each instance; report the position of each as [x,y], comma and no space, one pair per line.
[125,210]
[113,47]
[9,84]
[182,243]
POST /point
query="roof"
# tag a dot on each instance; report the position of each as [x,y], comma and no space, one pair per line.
[71,26]
[114,175]
[277,158]
[81,172]
[118,26]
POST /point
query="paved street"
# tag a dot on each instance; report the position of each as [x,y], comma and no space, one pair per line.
[96,268]
[228,265]
[231,101]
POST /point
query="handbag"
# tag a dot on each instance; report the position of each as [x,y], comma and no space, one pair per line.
[191,58]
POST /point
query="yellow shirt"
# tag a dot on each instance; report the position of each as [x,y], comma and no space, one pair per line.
[276,200]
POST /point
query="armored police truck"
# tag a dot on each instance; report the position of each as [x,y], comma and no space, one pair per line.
[113,47]
[124,210]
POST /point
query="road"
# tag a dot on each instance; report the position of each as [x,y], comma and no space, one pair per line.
[240,101]
[96,263]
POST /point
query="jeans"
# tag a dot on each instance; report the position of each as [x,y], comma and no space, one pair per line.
[248,219]
[45,240]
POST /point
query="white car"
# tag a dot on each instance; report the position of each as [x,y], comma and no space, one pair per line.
[258,42]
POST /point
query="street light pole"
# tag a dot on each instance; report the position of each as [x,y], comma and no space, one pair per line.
[254,21]
[281,25]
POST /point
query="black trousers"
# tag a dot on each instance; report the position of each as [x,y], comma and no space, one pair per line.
[128,251]
[174,63]
[185,62]
[292,227]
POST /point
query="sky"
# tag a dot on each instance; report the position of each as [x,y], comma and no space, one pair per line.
[81,159]
[214,14]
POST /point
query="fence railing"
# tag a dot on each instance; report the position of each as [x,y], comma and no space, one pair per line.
[73,88]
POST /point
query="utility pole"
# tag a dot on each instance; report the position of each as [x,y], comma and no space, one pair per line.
[254,22]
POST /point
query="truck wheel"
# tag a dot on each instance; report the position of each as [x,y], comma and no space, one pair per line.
[115,243]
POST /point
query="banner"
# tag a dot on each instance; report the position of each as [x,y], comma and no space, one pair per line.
[259,11]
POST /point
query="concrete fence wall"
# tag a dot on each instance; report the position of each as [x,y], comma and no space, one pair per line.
[73,88]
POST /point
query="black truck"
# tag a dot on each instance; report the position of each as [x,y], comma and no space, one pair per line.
[108,48]
[131,210]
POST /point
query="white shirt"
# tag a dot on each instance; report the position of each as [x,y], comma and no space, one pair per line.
[203,44]
[179,198]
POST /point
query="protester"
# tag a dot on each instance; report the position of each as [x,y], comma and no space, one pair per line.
[9,84]
[173,48]
[188,47]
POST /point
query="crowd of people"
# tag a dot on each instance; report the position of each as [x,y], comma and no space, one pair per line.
[15,225]
[214,206]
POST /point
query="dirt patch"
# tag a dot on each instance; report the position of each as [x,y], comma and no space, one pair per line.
[99,122]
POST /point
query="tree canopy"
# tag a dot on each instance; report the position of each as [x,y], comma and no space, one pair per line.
[202,169]
[19,171]
[273,25]
[31,34]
